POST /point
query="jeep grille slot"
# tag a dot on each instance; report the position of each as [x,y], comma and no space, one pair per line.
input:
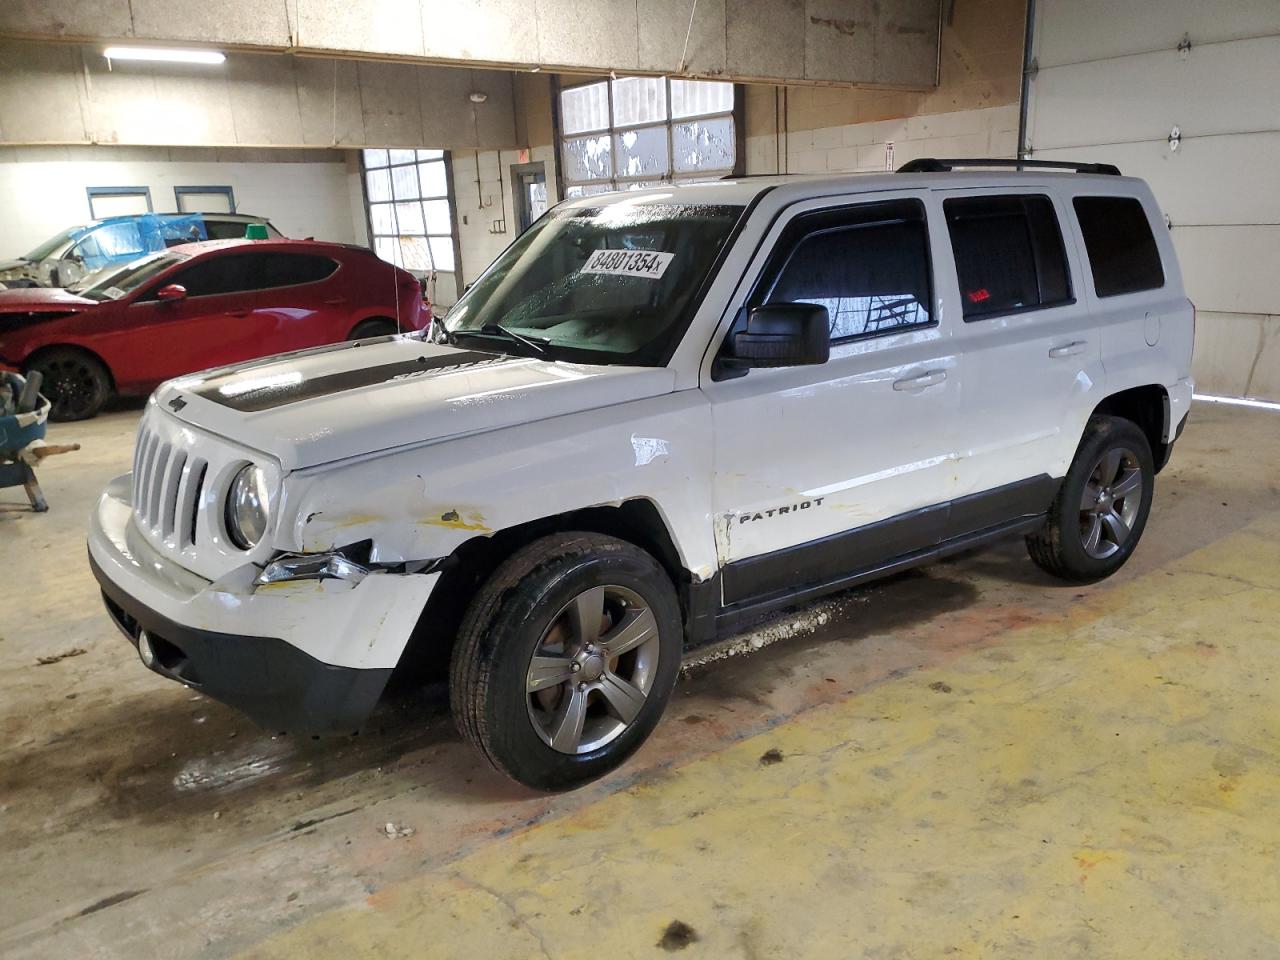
[172,485]
[141,469]
[189,500]
[159,470]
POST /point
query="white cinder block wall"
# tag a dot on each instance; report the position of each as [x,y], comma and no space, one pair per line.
[973,111]
[304,193]
[480,205]
[863,147]
[1112,85]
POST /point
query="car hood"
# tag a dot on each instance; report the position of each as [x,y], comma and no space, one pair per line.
[41,299]
[332,403]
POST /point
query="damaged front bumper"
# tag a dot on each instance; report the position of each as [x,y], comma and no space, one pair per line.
[308,654]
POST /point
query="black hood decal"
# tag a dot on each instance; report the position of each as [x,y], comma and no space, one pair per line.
[250,394]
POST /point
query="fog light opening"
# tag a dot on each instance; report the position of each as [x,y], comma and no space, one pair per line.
[146,651]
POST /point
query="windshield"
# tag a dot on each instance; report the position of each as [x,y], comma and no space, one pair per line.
[114,282]
[609,284]
[47,248]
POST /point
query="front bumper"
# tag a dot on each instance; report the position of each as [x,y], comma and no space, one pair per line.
[306,656]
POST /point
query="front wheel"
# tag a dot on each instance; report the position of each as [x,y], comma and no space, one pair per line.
[76,383]
[1101,509]
[566,659]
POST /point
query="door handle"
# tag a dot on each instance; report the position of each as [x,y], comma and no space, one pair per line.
[1069,349]
[923,380]
[334,301]
[238,313]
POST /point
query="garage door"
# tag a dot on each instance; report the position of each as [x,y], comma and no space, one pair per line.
[1183,94]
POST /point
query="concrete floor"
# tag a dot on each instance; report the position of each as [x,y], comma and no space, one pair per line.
[970,760]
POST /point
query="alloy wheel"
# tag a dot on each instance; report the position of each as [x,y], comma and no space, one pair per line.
[71,387]
[593,669]
[1110,503]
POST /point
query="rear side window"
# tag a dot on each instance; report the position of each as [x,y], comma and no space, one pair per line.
[1009,254]
[868,265]
[290,269]
[1122,251]
[224,229]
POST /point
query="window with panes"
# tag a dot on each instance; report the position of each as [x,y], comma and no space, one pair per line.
[636,132]
[407,194]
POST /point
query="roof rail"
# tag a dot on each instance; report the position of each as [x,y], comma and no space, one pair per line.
[933,165]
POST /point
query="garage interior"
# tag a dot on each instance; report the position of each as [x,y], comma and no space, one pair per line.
[967,759]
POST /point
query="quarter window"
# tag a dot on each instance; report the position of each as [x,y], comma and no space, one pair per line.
[1009,254]
[290,269]
[1122,250]
[869,267]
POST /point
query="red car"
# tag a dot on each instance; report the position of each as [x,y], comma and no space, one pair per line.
[196,306]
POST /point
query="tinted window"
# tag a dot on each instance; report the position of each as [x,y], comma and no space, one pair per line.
[868,266]
[1008,254]
[1122,251]
[217,275]
[224,229]
[288,269]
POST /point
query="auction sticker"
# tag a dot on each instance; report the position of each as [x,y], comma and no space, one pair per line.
[629,263]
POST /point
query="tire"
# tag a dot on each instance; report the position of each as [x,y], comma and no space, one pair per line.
[377,327]
[76,383]
[589,711]
[1098,517]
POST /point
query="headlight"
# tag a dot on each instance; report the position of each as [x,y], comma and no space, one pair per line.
[247,507]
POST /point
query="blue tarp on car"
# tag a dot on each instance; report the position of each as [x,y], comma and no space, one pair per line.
[120,239]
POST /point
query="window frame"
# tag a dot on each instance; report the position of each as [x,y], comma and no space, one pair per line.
[452,236]
[181,191]
[92,192]
[613,129]
[785,248]
[1087,259]
[1013,193]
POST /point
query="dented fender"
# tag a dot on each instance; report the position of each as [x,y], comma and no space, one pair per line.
[424,502]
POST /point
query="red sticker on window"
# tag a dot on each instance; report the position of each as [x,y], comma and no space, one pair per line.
[977,296]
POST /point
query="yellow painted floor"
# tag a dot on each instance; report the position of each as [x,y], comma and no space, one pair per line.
[970,760]
[1103,786]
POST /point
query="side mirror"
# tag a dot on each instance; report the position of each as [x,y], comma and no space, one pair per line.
[172,291]
[780,335]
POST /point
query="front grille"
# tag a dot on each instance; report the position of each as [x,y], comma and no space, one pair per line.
[166,488]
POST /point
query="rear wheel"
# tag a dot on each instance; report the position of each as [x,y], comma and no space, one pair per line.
[1102,507]
[377,327]
[566,659]
[76,383]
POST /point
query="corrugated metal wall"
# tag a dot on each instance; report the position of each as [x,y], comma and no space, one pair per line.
[1111,83]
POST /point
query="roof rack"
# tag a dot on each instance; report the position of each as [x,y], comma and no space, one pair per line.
[934,165]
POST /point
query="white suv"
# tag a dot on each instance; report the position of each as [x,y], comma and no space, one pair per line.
[656,415]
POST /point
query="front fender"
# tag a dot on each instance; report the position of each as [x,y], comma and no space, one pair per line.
[423,502]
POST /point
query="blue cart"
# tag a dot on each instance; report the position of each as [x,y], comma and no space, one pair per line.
[23,416]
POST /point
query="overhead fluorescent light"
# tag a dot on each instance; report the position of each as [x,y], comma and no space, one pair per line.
[163,55]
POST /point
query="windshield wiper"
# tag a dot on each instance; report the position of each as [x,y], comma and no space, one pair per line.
[498,330]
